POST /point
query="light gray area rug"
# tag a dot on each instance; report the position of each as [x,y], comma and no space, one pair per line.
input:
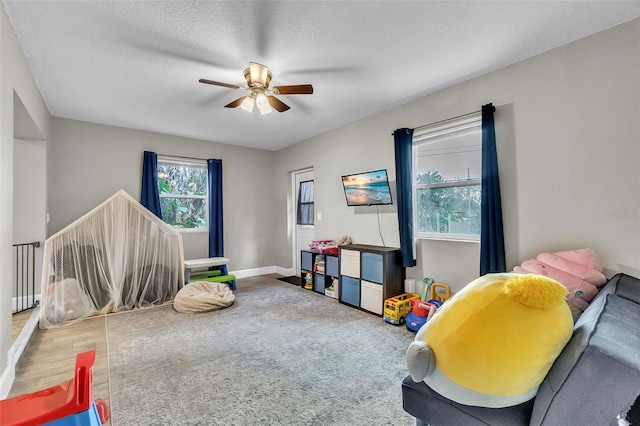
[280,355]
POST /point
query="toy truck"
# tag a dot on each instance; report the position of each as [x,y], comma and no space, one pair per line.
[397,308]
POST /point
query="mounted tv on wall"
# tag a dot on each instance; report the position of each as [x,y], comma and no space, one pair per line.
[367,189]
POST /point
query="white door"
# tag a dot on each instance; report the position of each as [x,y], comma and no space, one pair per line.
[303,234]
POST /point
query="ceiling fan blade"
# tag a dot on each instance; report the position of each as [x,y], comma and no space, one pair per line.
[258,73]
[235,103]
[217,83]
[296,89]
[277,104]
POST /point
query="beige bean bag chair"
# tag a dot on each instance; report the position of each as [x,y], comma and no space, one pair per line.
[202,296]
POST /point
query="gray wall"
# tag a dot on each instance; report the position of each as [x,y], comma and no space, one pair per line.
[567,125]
[29,201]
[19,98]
[90,162]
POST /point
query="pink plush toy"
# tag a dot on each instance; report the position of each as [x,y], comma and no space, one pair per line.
[580,271]
[586,257]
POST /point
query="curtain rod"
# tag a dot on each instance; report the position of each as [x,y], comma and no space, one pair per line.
[178,157]
[445,120]
[448,119]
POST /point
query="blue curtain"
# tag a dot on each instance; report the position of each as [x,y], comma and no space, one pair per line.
[403,142]
[492,258]
[149,194]
[216,228]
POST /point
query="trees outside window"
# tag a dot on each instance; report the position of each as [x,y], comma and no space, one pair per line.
[183,193]
[448,165]
[444,209]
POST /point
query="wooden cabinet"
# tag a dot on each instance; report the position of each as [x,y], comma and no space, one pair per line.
[369,275]
[319,272]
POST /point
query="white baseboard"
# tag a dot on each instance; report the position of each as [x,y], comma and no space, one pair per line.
[254,272]
[8,375]
[15,352]
[287,272]
[16,303]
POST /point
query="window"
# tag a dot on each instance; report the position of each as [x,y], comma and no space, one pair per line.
[305,203]
[182,184]
[448,167]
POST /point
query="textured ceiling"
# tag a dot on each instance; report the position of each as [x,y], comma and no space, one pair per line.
[136,64]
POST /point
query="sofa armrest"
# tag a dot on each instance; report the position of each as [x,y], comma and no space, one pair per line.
[597,371]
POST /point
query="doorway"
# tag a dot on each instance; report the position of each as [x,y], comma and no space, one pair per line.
[29,204]
[302,234]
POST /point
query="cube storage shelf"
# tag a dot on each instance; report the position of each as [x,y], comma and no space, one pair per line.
[319,272]
[369,275]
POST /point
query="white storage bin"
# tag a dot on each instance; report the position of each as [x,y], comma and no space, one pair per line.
[336,287]
[350,263]
[371,297]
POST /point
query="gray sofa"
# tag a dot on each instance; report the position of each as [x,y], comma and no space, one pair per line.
[595,378]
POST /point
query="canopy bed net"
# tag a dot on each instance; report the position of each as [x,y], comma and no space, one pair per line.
[117,257]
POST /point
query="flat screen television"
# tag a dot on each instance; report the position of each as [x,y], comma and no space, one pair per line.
[367,189]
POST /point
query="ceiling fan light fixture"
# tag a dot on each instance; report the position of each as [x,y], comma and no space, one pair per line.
[265,110]
[247,104]
[263,104]
[259,93]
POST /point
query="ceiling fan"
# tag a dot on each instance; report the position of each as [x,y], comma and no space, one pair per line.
[260,94]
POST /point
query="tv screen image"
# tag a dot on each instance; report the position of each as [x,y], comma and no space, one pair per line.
[367,189]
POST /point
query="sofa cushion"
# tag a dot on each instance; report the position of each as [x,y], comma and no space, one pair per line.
[603,354]
[424,403]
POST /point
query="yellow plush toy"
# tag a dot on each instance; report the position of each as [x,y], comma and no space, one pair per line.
[492,344]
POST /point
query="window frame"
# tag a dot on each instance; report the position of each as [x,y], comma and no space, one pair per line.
[193,163]
[431,131]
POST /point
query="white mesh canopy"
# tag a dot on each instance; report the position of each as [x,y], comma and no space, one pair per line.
[119,256]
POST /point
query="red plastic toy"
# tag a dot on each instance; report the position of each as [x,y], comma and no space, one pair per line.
[57,402]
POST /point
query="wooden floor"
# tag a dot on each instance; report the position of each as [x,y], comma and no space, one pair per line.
[50,357]
[18,321]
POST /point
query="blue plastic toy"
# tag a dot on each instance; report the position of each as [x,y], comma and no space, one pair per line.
[421,313]
[424,308]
